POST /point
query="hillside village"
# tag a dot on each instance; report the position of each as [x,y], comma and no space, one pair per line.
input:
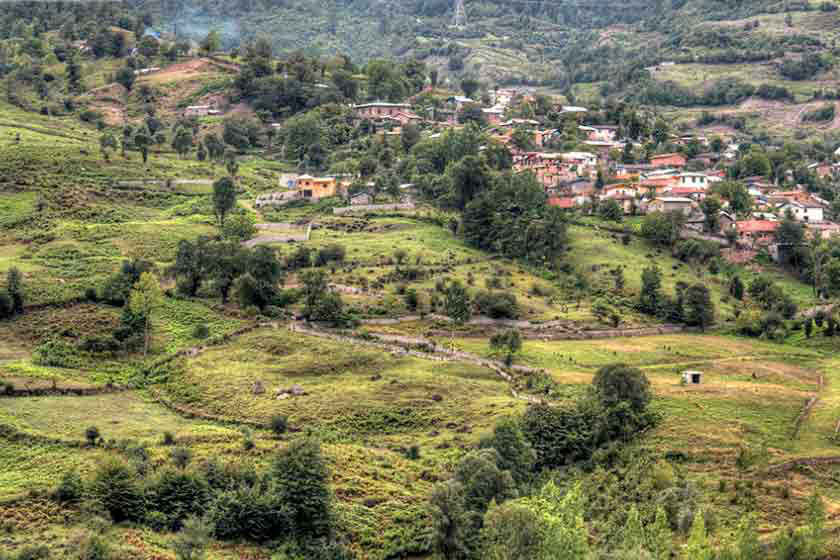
[609,174]
[510,282]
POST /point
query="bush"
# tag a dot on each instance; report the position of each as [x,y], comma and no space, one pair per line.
[301,258]
[497,305]
[70,489]
[177,495]
[94,548]
[821,114]
[181,457]
[116,489]
[34,553]
[92,435]
[248,513]
[90,116]
[558,436]
[279,424]
[330,253]
[201,331]
[168,438]
[56,353]
[190,542]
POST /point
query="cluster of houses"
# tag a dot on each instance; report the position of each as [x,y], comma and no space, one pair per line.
[571,179]
[663,185]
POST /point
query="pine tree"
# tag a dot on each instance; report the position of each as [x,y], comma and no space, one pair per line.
[816,526]
[659,536]
[698,547]
[14,287]
[746,539]
[74,75]
[634,536]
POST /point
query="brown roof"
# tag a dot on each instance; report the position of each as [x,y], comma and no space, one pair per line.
[561,202]
[756,226]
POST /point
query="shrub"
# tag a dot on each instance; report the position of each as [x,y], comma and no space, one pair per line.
[248,513]
[33,553]
[201,331]
[70,489]
[301,258]
[90,116]
[558,436]
[821,114]
[177,495]
[92,435]
[411,299]
[181,457]
[190,542]
[413,452]
[56,353]
[330,253]
[116,489]
[497,305]
[279,424]
[94,548]
[168,438]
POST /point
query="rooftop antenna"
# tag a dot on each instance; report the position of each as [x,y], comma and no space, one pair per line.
[460,18]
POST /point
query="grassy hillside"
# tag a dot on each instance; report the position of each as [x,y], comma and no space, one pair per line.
[393,423]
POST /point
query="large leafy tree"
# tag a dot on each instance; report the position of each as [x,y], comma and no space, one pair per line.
[224,198]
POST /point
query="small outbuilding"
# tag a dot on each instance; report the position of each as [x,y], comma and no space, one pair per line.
[692,377]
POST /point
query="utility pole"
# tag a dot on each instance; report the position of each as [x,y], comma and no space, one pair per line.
[460,19]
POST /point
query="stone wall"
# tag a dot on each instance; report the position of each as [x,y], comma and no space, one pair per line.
[361,208]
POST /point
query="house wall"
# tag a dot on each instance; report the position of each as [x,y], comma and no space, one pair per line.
[807,214]
[317,188]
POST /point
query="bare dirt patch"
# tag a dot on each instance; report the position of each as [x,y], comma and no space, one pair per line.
[183,71]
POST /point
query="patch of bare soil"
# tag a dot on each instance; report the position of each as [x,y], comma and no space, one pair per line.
[181,71]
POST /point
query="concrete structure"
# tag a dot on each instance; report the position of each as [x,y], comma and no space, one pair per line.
[201,111]
[362,199]
[694,180]
[315,188]
[692,377]
[670,204]
[806,211]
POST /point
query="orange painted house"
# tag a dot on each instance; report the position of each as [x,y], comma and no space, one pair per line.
[316,187]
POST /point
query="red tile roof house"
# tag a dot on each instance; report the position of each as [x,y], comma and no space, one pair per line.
[756,232]
[668,160]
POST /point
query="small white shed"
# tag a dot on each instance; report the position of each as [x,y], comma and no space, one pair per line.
[692,377]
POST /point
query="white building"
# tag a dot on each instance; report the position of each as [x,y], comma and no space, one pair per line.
[695,180]
[810,212]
